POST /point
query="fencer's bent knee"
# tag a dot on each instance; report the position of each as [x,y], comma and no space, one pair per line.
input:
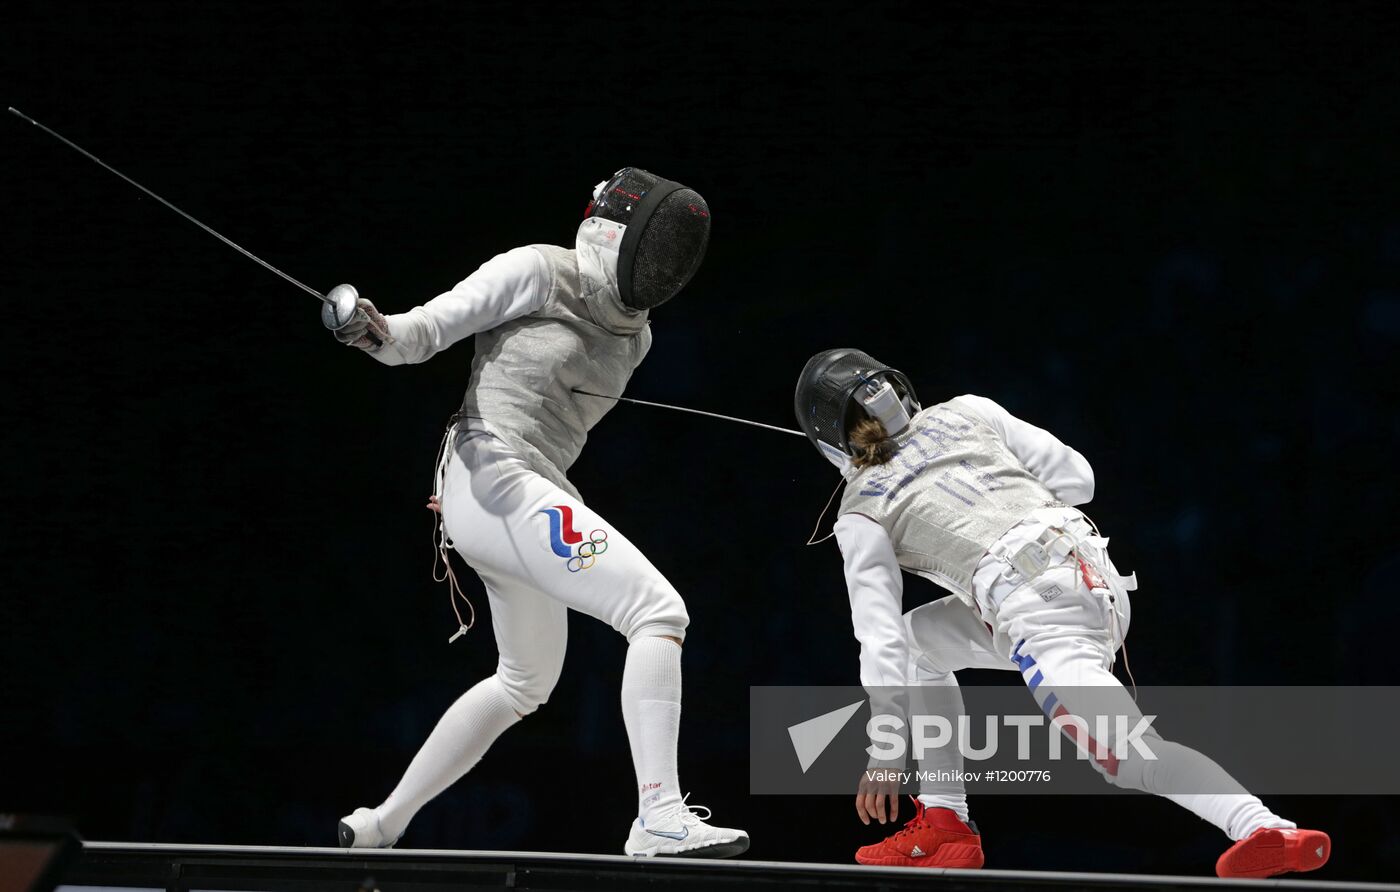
[1134,770]
[528,691]
[922,669]
[661,613]
[526,695]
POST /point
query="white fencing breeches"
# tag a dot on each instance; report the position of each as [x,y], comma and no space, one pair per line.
[540,552]
[1061,635]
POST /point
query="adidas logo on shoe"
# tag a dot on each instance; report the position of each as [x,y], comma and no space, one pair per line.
[917,853]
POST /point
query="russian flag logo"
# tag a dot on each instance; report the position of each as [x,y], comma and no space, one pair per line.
[562,535]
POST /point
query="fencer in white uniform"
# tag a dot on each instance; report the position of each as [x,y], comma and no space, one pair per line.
[982,504]
[549,322]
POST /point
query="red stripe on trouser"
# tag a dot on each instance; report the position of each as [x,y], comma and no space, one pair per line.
[1108,763]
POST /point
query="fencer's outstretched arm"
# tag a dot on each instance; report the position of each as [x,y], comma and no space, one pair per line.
[506,287]
[1064,472]
[876,588]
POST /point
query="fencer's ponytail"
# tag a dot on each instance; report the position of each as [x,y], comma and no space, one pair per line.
[872,443]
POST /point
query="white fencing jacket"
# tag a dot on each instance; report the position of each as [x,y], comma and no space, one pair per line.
[873,577]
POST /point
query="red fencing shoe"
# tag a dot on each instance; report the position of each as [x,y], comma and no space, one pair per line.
[1270,851]
[934,837]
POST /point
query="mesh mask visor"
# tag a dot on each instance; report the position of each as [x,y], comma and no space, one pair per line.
[668,231]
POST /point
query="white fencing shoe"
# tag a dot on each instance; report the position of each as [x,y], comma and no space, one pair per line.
[681,833]
[361,831]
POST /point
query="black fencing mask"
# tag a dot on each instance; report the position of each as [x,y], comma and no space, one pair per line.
[668,229]
[837,388]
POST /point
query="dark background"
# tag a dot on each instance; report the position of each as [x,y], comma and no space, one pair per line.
[1168,233]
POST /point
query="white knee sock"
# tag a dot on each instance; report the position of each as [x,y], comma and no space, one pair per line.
[651,709]
[461,737]
[954,802]
[1179,767]
[936,694]
[1238,814]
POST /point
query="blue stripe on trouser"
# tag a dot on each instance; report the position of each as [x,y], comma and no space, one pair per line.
[1050,705]
[1026,663]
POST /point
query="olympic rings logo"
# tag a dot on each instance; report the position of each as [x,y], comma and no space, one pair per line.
[588,551]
